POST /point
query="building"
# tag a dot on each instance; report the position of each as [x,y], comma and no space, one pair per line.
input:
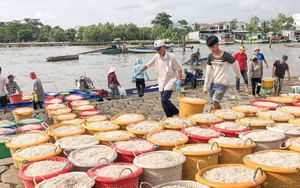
[297,21]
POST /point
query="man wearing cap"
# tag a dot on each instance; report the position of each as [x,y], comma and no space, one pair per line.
[168,73]
[3,97]
[260,56]
[190,77]
[13,86]
[38,91]
[241,57]
[278,71]
[217,75]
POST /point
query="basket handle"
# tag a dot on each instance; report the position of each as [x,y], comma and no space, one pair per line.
[24,160]
[283,147]
[181,154]
[202,161]
[45,125]
[212,146]
[297,170]
[256,171]
[120,175]
[145,135]
[178,141]
[34,181]
[146,183]
[65,152]
[55,138]
[103,158]
[109,117]
[68,163]
[135,151]
[247,140]
[57,147]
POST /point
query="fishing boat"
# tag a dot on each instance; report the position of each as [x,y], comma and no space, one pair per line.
[292,45]
[225,39]
[63,58]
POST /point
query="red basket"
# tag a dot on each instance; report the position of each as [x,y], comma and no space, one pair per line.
[29,181]
[128,156]
[49,100]
[296,103]
[94,111]
[265,106]
[130,181]
[39,127]
[195,139]
[69,100]
[229,133]
[16,98]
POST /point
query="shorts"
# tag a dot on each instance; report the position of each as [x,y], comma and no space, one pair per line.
[3,101]
[217,92]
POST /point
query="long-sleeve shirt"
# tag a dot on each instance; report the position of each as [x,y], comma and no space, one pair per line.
[137,68]
[256,70]
[13,88]
[217,69]
[112,79]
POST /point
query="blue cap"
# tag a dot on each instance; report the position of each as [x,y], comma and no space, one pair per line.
[284,58]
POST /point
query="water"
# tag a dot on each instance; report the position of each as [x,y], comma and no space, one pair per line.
[20,61]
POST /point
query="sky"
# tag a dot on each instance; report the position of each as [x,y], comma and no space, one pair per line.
[72,13]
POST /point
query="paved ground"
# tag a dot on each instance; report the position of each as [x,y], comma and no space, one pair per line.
[149,105]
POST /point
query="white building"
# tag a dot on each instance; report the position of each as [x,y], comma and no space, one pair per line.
[193,36]
[297,21]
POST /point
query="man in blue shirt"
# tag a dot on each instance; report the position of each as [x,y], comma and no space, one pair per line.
[259,56]
[189,77]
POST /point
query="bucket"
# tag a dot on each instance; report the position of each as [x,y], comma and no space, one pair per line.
[196,139]
[91,130]
[277,176]
[267,83]
[30,182]
[258,178]
[22,113]
[196,160]
[271,105]
[16,98]
[73,97]
[187,106]
[233,154]
[128,181]
[229,132]
[255,122]
[87,113]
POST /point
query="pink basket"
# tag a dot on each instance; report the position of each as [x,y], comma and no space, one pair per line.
[195,139]
[16,98]
[229,133]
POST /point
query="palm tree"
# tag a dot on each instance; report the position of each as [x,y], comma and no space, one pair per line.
[265,26]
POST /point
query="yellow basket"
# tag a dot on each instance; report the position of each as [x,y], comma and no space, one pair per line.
[92,130]
[287,145]
[108,141]
[283,100]
[141,134]
[20,162]
[54,136]
[295,113]
[123,124]
[277,177]
[76,121]
[249,113]
[63,117]
[238,115]
[197,160]
[75,104]
[261,177]
[167,145]
[53,107]
[201,122]
[14,147]
[295,121]
[179,127]
[96,118]
[267,83]
[187,107]
[233,154]
[276,119]
[22,113]
[291,95]
[261,125]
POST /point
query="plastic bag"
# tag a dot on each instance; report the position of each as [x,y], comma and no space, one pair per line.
[122,91]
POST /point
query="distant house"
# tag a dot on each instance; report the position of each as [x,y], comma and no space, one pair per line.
[290,34]
[297,21]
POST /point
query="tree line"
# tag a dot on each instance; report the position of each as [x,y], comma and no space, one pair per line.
[33,30]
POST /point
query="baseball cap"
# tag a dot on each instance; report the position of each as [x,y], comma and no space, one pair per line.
[32,74]
[256,48]
[243,48]
[158,44]
[10,76]
[285,57]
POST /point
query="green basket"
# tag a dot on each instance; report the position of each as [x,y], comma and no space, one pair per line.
[39,120]
[5,152]
[13,124]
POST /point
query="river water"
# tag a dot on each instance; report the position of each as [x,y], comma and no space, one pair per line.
[20,61]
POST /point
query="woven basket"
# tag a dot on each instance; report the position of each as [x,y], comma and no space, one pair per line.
[293,110]
[108,141]
[96,118]
[178,127]
[159,174]
[54,136]
[276,119]
[53,107]
[123,124]
[295,121]
[260,125]
[59,118]
[282,100]
[185,183]
[141,134]
[204,122]
[197,160]
[253,184]
[277,177]
[225,117]
[92,130]
[249,112]
[287,144]
[233,154]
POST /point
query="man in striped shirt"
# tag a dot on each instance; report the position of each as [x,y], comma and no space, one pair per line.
[13,86]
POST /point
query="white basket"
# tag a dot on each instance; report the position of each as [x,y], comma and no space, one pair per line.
[85,166]
[183,183]
[158,174]
[67,147]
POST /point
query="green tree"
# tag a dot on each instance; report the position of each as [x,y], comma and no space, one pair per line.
[196,27]
[3,34]
[264,26]
[57,34]
[157,32]
[183,22]
[70,34]
[162,19]
[233,24]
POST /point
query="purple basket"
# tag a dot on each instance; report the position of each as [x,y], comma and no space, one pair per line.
[14,130]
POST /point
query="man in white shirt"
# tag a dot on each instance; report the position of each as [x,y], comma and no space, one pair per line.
[217,67]
[3,97]
[168,72]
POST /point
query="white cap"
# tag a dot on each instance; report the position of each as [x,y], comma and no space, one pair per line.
[158,44]
[256,48]
[112,69]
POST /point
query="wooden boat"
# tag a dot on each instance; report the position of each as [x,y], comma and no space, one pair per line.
[63,58]
[292,45]
[225,39]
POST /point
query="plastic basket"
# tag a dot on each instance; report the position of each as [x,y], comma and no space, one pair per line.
[187,107]
[141,134]
[54,136]
[92,130]
[270,107]
[13,130]
[178,127]
[35,118]
[107,141]
[87,113]
[16,98]
[282,100]
[229,133]
[22,115]
[267,83]
[253,126]
[197,139]
[11,124]
[62,117]
[123,124]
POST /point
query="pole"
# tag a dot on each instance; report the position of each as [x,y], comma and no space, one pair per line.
[183,43]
